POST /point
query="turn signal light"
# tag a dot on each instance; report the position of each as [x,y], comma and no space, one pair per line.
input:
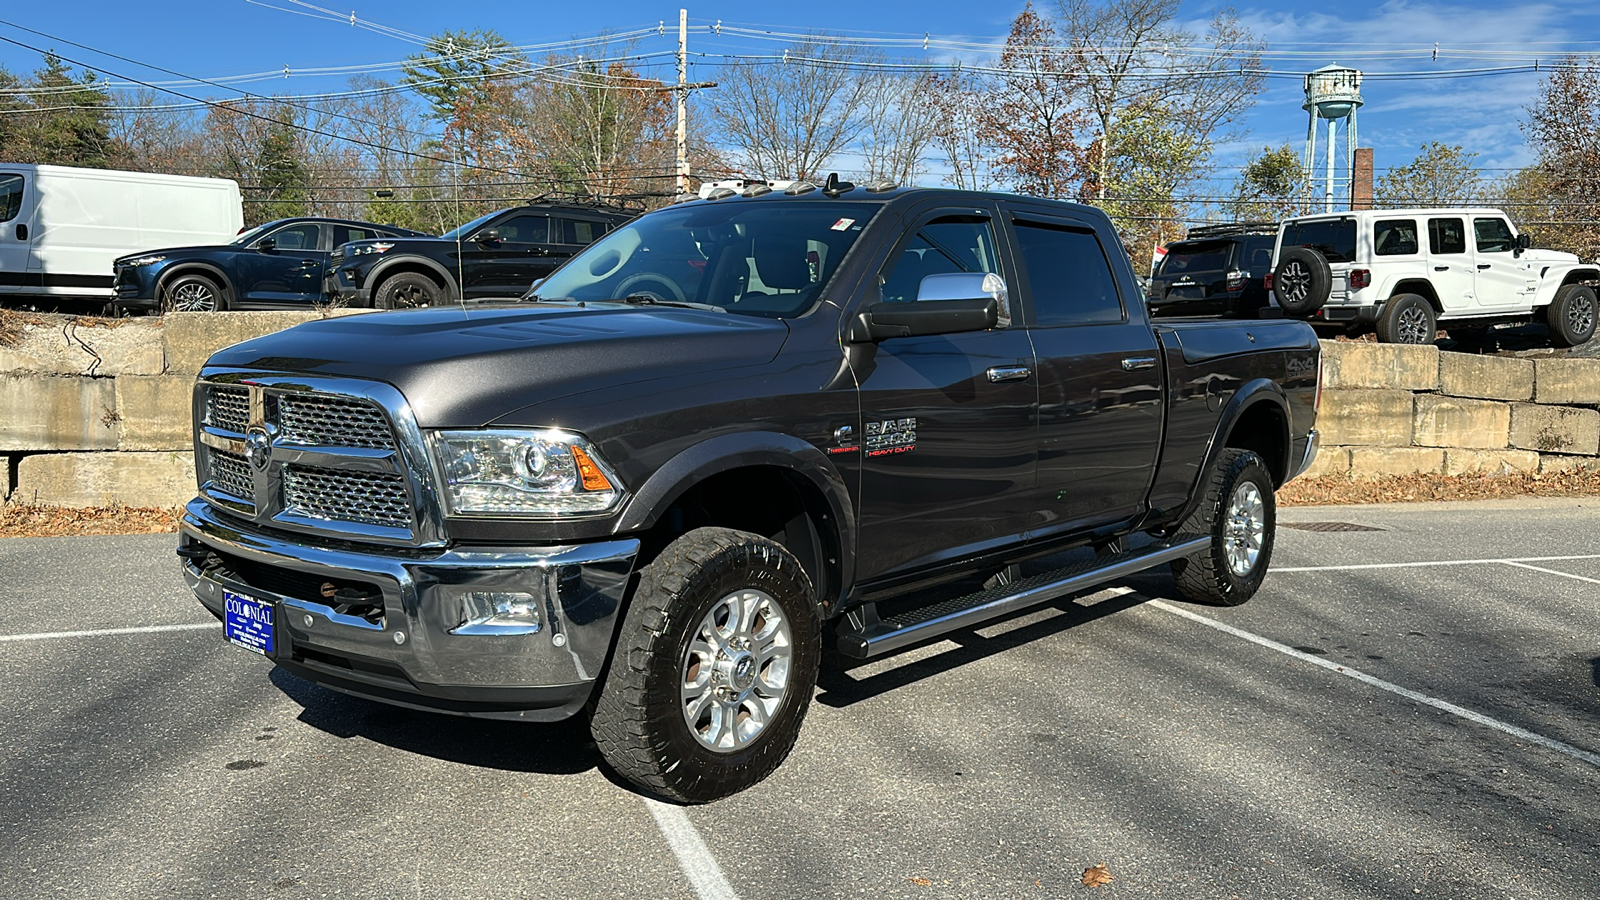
[593,479]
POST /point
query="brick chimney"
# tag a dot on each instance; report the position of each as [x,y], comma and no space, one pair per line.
[1361,180]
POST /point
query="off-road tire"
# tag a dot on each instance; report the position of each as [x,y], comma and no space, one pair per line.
[1571,316]
[1208,576]
[638,721]
[406,290]
[1302,281]
[1407,319]
[193,293]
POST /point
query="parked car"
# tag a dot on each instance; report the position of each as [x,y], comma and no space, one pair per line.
[498,255]
[272,266]
[1217,270]
[1405,272]
[658,505]
[61,227]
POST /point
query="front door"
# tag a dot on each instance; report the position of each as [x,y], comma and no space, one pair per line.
[1502,281]
[289,271]
[507,265]
[1100,400]
[1450,264]
[14,231]
[948,422]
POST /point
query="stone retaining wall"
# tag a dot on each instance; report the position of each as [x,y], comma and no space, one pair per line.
[1391,409]
[98,414]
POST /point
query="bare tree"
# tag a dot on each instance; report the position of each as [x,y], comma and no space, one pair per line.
[899,118]
[791,118]
[961,133]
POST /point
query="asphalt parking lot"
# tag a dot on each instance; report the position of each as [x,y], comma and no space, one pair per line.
[1409,711]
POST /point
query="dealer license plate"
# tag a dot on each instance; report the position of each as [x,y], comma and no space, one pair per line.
[248,622]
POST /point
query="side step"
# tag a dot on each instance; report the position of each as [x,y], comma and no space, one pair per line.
[876,636]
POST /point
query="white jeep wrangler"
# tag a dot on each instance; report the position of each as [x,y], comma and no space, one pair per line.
[1406,272]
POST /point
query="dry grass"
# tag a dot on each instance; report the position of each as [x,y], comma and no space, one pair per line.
[52,521]
[1338,490]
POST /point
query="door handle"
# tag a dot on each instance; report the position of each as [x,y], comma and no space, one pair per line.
[310,264]
[1138,362]
[1482,266]
[1441,268]
[998,374]
[22,232]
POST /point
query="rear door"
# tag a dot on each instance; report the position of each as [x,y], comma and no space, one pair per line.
[949,422]
[1100,400]
[1450,264]
[16,204]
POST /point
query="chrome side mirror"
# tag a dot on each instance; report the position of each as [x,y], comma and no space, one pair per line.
[968,286]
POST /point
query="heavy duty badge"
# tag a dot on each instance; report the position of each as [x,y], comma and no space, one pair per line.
[891,436]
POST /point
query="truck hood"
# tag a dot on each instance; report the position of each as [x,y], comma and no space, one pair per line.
[464,367]
[1548,256]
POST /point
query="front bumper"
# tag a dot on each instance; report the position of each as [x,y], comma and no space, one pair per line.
[135,286]
[408,649]
[346,284]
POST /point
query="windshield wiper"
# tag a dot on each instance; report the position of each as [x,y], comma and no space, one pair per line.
[652,300]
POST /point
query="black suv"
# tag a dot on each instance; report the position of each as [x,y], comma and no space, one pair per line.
[1216,270]
[497,255]
[267,267]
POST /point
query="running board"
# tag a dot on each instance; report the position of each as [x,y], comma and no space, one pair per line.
[879,636]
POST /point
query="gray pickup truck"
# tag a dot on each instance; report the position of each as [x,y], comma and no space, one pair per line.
[731,436]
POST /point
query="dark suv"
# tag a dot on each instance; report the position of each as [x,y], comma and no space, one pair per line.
[270,266]
[497,255]
[1218,270]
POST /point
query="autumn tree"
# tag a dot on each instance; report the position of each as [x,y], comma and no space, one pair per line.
[1563,128]
[1152,159]
[1270,186]
[1441,175]
[1032,114]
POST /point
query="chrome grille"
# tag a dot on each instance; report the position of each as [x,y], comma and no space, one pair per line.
[228,408]
[323,420]
[372,498]
[231,473]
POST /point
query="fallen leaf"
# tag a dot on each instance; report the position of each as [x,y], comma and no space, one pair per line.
[919,882]
[1097,876]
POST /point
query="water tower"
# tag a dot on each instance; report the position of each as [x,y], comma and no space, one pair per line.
[1332,93]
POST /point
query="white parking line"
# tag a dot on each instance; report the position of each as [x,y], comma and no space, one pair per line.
[1435,562]
[100,632]
[1522,565]
[1481,719]
[693,857]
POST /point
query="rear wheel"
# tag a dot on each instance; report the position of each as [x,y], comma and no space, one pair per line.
[405,291]
[1239,513]
[192,293]
[713,669]
[1572,316]
[1407,319]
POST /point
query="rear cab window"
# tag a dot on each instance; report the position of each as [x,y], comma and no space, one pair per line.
[1447,236]
[1395,237]
[1069,276]
[1185,258]
[1335,239]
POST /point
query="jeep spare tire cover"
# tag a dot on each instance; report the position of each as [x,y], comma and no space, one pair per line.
[1302,281]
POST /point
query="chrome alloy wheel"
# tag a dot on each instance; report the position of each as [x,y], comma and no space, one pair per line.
[1295,283]
[1580,315]
[1412,326]
[192,296]
[736,671]
[1245,528]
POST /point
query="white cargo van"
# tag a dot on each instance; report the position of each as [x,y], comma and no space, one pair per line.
[61,227]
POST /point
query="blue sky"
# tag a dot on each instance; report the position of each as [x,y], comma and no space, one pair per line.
[214,38]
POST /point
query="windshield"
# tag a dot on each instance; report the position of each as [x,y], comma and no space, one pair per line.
[465,231]
[761,258]
[250,235]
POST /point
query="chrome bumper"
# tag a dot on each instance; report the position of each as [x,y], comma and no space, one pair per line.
[1313,441]
[415,654]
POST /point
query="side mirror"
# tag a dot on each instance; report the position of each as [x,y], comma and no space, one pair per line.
[882,321]
[487,236]
[1524,241]
[266,244]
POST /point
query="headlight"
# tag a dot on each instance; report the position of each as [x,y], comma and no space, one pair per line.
[364,249]
[523,473]
[144,261]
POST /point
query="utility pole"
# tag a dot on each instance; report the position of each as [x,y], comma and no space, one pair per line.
[682,89]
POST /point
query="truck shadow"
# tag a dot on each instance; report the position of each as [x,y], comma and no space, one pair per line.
[546,748]
[839,687]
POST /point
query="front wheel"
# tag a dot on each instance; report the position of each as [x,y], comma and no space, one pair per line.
[713,669]
[193,293]
[406,291]
[1239,513]
[1572,316]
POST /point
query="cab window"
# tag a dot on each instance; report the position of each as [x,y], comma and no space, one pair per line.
[1394,237]
[525,230]
[1494,235]
[947,245]
[1069,276]
[10,197]
[304,236]
[344,234]
[575,231]
[1446,236]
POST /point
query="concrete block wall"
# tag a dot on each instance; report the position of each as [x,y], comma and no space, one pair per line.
[1391,409]
[95,412]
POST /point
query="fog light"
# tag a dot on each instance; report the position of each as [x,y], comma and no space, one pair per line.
[498,612]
